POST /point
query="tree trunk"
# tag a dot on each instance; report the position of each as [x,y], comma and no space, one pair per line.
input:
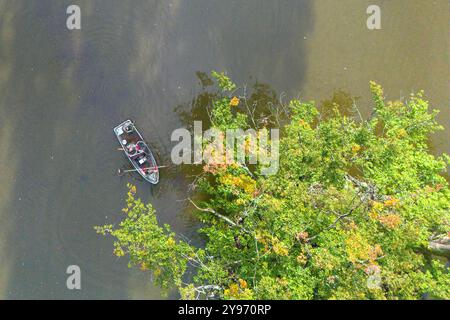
[440,246]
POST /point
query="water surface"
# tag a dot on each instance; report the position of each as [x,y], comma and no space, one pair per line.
[62,92]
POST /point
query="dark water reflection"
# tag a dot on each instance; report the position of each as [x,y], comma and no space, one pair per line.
[62,92]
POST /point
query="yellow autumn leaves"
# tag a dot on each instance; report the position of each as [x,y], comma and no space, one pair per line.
[234,102]
[272,244]
[131,188]
[392,202]
[359,250]
[238,291]
[390,219]
[171,242]
[356,148]
[242,181]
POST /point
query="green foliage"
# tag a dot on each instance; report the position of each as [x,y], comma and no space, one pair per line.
[349,215]
[148,246]
[224,83]
[224,118]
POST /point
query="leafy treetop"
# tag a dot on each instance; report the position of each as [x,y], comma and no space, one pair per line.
[349,215]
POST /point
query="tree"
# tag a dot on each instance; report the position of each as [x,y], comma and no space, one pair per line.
[353,212]
[149,246]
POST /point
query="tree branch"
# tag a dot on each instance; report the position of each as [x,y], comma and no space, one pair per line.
[218,215]
[440,246]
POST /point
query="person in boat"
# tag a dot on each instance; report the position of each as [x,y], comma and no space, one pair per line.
[144,164]
[149,171]
[128,128]
[142,160]
[141,147]
[131,149]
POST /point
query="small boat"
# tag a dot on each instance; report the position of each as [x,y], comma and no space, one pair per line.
[137,151]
